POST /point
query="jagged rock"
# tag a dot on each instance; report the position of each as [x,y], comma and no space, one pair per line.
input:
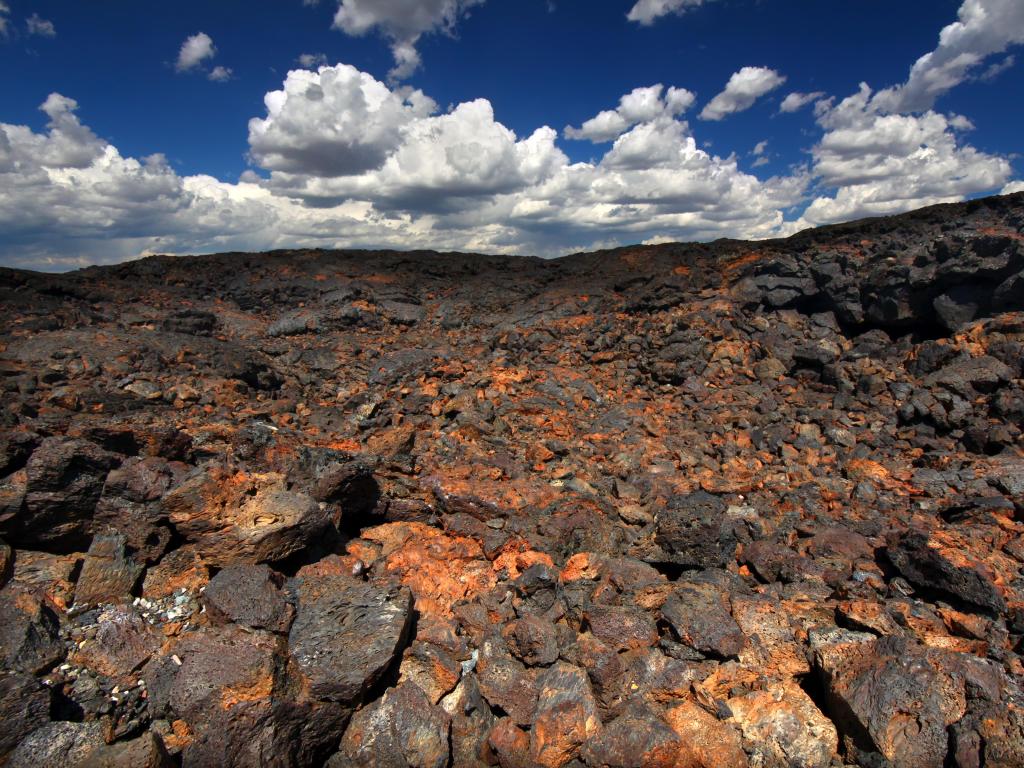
[249,595]
[346,633]
[237,518]
[129,504]
[109,573]
[937,567]
[506,683]
[58,745]
[533,640]
[6,563]
[654,505]
[122,643]
[893,698]
[784,728]
[704,740]
[637,738]
[64,480]
[24,707]
[29,632]
[699,615]
[147,751]
[472,721]
[566,716]
[400,728]
[695,532]
[622,627]
[433,669]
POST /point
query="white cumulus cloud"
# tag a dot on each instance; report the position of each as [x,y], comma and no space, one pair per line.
[639,105]
[882,163]
[796,101]
[312,60]
[194,51]
[220,74]
[983,28]
[403,22]
[744,88]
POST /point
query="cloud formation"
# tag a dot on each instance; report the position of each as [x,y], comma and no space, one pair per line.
[796,101]
[5,10]
[744,88]
[403,22]
[637,106]
[194,51]
[983,28]
[882,163]
[646,12]
[37,25]
[341,159]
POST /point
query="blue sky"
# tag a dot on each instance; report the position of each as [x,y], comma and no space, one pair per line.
[463,123]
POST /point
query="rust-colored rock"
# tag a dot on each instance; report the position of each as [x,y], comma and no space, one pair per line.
[238,517]
[566,716]
[400,728]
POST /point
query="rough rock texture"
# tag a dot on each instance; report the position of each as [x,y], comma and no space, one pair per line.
[725,505]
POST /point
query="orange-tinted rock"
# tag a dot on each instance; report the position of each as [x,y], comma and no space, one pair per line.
[49,576]
[566,716]
[400,728]
[431,668]
[29,640]
[440,570]
[238,518]
[704,740]
[182,569]
[123,642]
[637,738]
[109,573]
[510,744]
[784,728]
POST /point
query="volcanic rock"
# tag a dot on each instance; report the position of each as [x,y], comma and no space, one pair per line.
[346,633]
[697,505]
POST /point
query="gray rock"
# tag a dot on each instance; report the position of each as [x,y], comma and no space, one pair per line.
[346,633]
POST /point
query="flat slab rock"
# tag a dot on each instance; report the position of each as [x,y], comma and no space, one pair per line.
[347,633]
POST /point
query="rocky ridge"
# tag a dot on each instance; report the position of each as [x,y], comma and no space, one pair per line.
[732,504]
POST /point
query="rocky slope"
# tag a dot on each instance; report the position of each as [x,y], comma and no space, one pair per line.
[736,504]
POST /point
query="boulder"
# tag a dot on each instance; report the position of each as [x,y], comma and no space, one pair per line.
[402,728]
[109,573]
[566,716]
[249,595]
[29,632]
[24,707]
[64,481]
[347,633]
[239,518]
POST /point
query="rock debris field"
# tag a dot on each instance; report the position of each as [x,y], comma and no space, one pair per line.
[692,506]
